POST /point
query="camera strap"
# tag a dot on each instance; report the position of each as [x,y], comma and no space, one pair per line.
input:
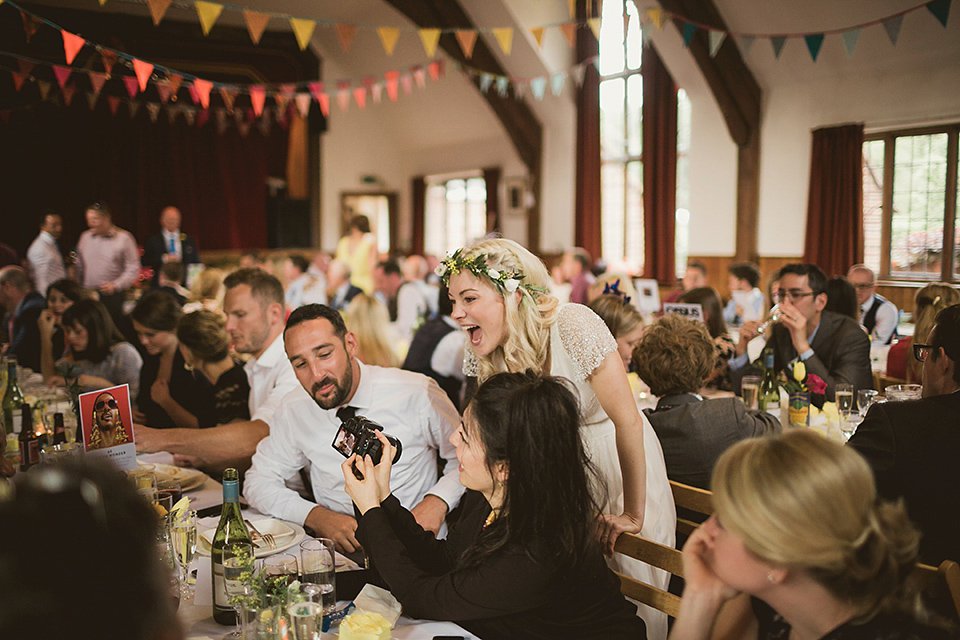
[346,413]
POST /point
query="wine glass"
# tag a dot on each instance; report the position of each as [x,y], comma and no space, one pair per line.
[773,318]
[238,565]
[183,533]
[865,398]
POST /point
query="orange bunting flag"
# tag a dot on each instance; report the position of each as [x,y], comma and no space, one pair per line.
[62,74]
[303,104]
[388,38]
[109,59]
[594,26]
[175,80]
[656,16]
[143,71]
[256,23]
[30,25]
[569,32]
[429,38]
[131,83]
[303,30]
[71,45]
[537,35]
[345,32]
[203,88]
[435,69]
[467,39]
[157,9]
[18,79]
[360,95]
[504,36]
[392,78]
[258,95]
[324,100]
[97,80]
[208,12]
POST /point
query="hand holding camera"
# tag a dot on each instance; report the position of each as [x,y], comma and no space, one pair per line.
[367,483]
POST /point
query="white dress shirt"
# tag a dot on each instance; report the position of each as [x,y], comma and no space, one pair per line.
[411,407]
[177,246]
[887,319]
[271,377]
[46,262]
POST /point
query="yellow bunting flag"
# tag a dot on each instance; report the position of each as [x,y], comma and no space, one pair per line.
[430,38]
[388,38]
[594,26]
[346,32]
[103,2]
[656,16]
[157,9]
[256,23]
[504,36]
[208,12]
[537,35]
[572,8]
[467,38]
[569,32]
[303,30]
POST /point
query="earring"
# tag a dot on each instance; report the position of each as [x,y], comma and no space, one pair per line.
[499,484]
[187,366]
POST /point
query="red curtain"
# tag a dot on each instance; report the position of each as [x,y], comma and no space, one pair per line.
[834,239]
[418,187]
[587,197]
[659,168]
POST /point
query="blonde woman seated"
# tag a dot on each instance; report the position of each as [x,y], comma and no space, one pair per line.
[798,548]
[368,319]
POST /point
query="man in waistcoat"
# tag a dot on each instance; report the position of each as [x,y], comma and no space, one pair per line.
[878,315]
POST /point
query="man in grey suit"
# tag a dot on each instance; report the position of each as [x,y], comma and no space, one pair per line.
[674,357]
[832,346]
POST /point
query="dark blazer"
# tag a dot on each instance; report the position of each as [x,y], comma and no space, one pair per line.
[352,292]
[694,433]
[841,353]
[913,448]
[155,248]
[25,340]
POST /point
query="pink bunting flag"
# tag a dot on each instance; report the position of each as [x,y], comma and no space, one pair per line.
[18,79]
[258,95]
[406,81]
[377,91]
[68,93]
[114,102]
[163,90]
[97,80]
[360,95]
[62,74]
[131,82]
[143,71]
[302,101]
[71,45]
[194,94]
[203,88]
[324,101]
[343,95]
[202,117]
[420,76]
[316,88]
[392,78]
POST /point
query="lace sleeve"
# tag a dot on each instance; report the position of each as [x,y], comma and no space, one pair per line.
[471,366]
[585,337]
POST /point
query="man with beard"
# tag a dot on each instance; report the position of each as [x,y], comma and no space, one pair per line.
[336,386]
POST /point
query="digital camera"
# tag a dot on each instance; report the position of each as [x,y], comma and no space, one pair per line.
[358,435]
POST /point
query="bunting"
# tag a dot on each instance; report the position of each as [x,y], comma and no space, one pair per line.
[467,39]
[345,33]
[504,38]
[256,24]
[71,46]
[429,38]
[208,13]
[157,9]
[303,30]
[388,38]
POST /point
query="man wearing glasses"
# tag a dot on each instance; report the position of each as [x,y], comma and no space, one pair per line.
[877,314]
[913,446]
[832,346]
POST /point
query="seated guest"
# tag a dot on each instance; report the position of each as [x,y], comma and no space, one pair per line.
[673,357]
[842,298]
[437,351]
[23,306]
[913,446]
[694,277]
[168,280]
[339,289]
[205,346]
[604,281]
[878,315]
[622,318]
[95,343]
[206,292]
[170,395]
[709,302]
[367,319]
[336,387]
[522,560]
[830,345]
[302,286]
[575,267]
[928,302]
[405,303]
[60,296]
[798,547]
[746,300]
[415,272]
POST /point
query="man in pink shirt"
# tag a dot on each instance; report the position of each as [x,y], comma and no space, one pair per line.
[107,259]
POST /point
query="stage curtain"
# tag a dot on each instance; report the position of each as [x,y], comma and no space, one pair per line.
[418,187]
[587,219]
[834,239]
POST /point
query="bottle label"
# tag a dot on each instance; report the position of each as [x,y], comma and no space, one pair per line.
[220,597]
[29,453]
[16,419]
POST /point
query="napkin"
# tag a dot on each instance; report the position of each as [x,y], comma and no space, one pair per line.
[373,599]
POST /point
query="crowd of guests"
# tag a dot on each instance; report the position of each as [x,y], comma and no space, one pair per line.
[524,453]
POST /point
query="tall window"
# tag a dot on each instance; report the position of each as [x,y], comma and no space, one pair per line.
[455,212]
[910,194]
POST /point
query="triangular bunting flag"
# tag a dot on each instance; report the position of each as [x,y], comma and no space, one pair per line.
[62,73]
[594,24]
[467,39]
[656,17]
[503,83]
[716,39]
[208,12]
[109,58]
[143,71]
[97,80]
[435,69]
[71,45]
[25,66]
[68,92]
[519,88]
[315,88]
[814,42]
[486,79]
[557,81]
[407,83]
[190,115]
[569,30]
[163,90]
[133,107]
[258,95]
[892,27]
[175,80]
[302,100]
[203,116]
[324,101]
[194,94]
[388,38]
[343,99]
[538,85]
[157,9]
[537,33]
[578,72]
[264,125]
[18,79]
[392,78]
[346,32]
[44,88]
[229,94]
[303,30]
[289,88]
[504,36]
[778,42]
[360,95]
[420,76]
[153,108]
[131,83]
[377,92]
[114,102]
[202,89]
[281,100]
[940,9]
[429,38]
[850,40]
[688,30]
[30,25]
[256,23]
[746,43]
[92,99]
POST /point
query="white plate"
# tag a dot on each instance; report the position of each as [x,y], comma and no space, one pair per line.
[287,534]
[189,479]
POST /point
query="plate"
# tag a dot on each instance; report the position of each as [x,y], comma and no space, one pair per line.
[287,534]
[189,479]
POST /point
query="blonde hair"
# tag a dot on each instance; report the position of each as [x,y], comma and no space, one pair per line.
[625,286]
[204,333]
[929,301]
[527,318]
[804,501]
[207,286]
[619,316]
[369,321]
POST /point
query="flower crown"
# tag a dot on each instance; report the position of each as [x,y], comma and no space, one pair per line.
[505,281]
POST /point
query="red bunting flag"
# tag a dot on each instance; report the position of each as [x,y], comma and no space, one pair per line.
[202,117]
[143,71]
[30,25]
[324,100]
[62,74]
[18,79]
[203,88]
[315,88]
[392,77]
[258,96]
[71,45]
[131,82]
[114,102]
[436,69]
[360,95]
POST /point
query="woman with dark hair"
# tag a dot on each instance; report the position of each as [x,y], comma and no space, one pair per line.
[170,395]
[522,560]
[95,343]
[61,294]
[842,298]
[358,249]
[709,301]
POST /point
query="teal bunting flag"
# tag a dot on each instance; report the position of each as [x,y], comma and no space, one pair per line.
[746,42]
[892,27]
[716,39]
[850,40]
[940,9]
[557,81]
[814,42]
[486,79]
[538,85]
[503,82]
[778,42]
[688,31]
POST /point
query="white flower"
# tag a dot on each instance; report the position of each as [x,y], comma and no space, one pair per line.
[511,285]
[441,269]
[494,274]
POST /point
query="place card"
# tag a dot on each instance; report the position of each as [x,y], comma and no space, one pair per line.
[691,311]
[107,422]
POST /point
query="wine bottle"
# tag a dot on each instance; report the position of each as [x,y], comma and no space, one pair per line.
[29,441]
[59,433]
[12,400]
[230,531]
[769,389]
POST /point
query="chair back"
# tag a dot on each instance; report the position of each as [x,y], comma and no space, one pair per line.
[940,587]
[694,505]
[656,555]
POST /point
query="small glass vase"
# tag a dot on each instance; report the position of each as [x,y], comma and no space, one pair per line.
[799,409]
[263,621]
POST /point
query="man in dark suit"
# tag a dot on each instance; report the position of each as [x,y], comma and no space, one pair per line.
[340,291]
[23,306]
[832,346]
[913,447]
[170,245]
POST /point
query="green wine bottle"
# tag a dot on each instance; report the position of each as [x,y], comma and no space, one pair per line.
[12,400]
[769,389]
[230,531]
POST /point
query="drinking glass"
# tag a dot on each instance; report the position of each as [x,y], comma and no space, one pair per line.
[281,564]
[772,318]
[865,398]
[318,558]
[844,395]
[750,391]
[901,392]
[306,619]
[183,532]
[238,566]
[171,487]
[53,453]
[145,482]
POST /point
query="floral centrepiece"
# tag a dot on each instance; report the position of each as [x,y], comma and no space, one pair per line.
[505,281]
[803,388]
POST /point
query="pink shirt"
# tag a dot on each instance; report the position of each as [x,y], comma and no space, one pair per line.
[107,258]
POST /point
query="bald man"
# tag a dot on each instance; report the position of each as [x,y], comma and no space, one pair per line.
[170,245]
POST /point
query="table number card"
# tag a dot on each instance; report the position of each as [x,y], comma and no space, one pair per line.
[691,311]
[107,422]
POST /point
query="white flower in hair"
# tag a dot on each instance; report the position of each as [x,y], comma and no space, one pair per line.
[511,285]
[494,274]
[441,270]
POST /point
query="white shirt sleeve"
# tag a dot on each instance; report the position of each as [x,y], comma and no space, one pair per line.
[286,382]
[442,420]
[887,318]
[411,306]
[447,358]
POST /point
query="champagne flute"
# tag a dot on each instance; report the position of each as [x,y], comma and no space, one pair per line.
[773,318]
[184,539]
[238,565]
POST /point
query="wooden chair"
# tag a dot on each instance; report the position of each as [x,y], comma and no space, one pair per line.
[692,499]
[940,587]
[881,381]
[656,555]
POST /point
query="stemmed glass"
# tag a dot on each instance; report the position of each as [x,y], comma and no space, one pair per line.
[238,566]
[773,318]
[183,533]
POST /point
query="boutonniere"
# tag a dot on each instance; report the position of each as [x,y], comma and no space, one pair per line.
[183,237]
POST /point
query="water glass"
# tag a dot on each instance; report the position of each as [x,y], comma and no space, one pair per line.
[865,398]
[238,566]
[306,620]
[318,559]
[844,395]
[145,482]
[281,564]
[901,392]
[750,391]
[53,453]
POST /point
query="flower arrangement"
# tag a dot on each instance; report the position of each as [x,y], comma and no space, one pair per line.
[505,281]
[263,587]
[71,372]
[799,381]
